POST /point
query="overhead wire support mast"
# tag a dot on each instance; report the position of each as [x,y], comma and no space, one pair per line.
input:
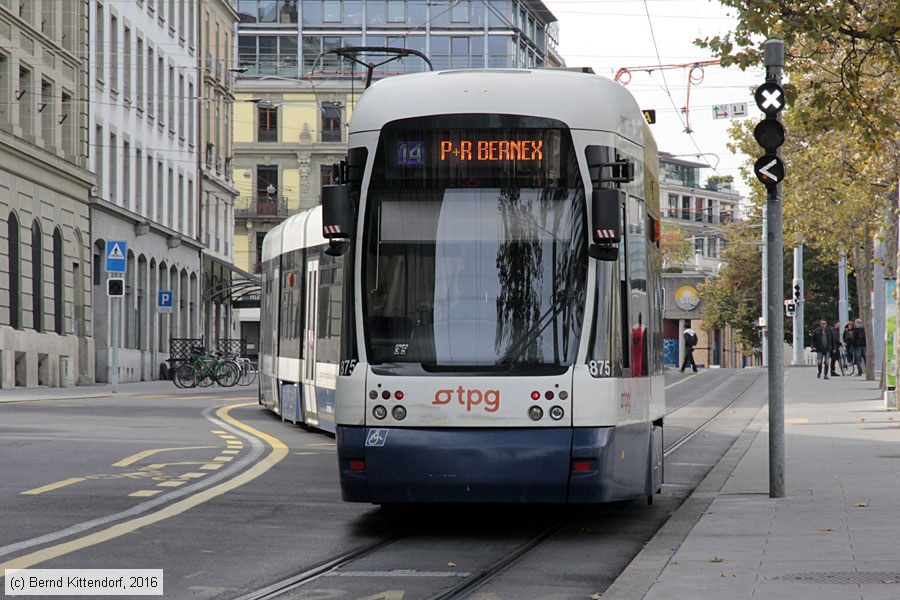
[695,77]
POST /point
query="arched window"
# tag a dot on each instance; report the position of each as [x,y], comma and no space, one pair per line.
[58,286]
[15,290]
[37,278]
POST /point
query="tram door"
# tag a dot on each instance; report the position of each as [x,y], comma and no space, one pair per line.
[309,342]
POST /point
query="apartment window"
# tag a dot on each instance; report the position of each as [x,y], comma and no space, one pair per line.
[100,41]
[4,88]
[673,206]
[267,189]
[139,73]
[698,246]
[47,109]
[113,53]
[190,124]
[170,204]
[126,63]
[67,118]
[181,115]
[150,197]
[26,102]
[113,174]
[172,100]
[37,277]
[272,55]
[138,181]
[269,11]
[180,207]
[160,194]
[686,208]
[172,15]
[151,82]
[268,124]
[15,289]
[181,16]
[99,140]
[68,29]
[331,122]
[58,284]
[126,173]
[161,92]
[190,28]
[191,204]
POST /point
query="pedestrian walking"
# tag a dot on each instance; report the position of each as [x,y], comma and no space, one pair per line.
[836,343]
[690,340]
[859,345]
[821,344]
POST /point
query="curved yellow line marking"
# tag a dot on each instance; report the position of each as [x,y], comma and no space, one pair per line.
[680,381]
[144,454]
[279,451]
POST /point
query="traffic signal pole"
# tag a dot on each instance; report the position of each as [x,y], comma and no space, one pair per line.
[114,376]
[797,291]
[774,63]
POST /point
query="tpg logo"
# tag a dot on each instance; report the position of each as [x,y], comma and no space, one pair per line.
[469,398]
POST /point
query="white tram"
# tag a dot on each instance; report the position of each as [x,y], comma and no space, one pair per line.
[502,331]
[300,320]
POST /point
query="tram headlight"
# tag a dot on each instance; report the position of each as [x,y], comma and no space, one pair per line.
[398,413]
[557,413]
[535,412]
[379,412]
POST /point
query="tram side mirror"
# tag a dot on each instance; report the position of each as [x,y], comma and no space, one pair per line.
[605,224]
[337,216]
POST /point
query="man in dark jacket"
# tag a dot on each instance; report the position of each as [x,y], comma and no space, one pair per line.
[836,344]
[821,343]
[690,340]
[859,345]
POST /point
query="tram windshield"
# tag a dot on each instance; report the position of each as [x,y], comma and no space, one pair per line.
[477,266]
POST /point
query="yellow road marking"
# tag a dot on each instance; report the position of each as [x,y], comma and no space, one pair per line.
[153,396]
[231,451]
[211,467]
[53,486]
[173,483]
[279,451]
[159,466]
[223,459]
[141,455]
[145,493]
[304,453]
[227,437]
[680,381]
[217,431]
[329,444]
[193,475]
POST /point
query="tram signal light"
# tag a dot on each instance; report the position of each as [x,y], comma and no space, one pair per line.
[769,134]
[115,287]
[790,309]
[798,295]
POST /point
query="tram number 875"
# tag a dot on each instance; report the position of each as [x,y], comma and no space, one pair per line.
[600,368]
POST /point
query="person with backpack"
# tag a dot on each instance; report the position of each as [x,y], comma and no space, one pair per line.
[690,340]
[822,341]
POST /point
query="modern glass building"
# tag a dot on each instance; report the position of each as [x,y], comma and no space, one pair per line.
[294,94]
[286,37]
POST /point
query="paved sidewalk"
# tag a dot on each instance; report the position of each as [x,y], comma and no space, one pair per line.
[99,390]
[835,534]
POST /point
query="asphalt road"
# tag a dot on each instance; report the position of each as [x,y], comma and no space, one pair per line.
[227,499]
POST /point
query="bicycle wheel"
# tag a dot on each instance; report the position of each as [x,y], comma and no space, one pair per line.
[227,374]
[846,365]
[185,376]
[248,373]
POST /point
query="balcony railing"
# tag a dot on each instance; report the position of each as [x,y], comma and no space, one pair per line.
[260,207]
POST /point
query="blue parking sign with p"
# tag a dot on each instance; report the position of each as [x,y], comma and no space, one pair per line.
[115,256]
[164,302]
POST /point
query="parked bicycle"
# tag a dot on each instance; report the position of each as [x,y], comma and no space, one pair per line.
[204,368]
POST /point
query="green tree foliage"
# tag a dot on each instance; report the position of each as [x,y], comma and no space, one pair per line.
[675,245]
[734,298]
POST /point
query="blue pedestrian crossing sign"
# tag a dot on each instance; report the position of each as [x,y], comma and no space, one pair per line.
[115,256]
[164,302]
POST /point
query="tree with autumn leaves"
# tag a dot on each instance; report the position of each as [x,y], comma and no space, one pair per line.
[842,152]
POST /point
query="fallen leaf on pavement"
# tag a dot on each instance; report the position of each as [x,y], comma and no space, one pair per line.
[451,564]
[863,504]
[596,596]
[716,559]
[727,574]
[828,529]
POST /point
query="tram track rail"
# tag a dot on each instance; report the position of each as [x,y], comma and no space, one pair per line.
[476,578]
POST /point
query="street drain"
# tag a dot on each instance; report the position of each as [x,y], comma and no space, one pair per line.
[843,577]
